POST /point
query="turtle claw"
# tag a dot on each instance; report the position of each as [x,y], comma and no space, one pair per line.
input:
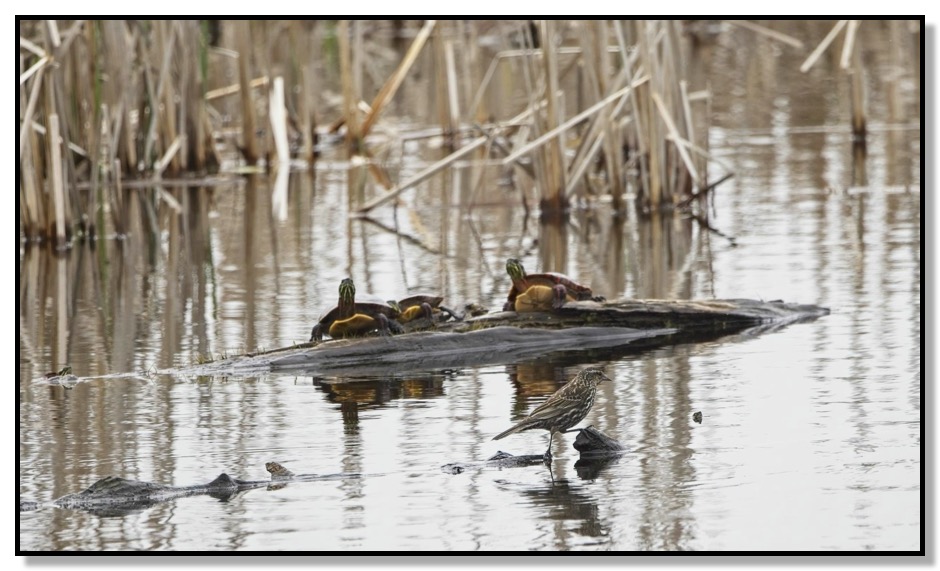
[599,298]
[388,327]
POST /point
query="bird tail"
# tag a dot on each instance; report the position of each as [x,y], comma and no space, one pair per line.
[514,429]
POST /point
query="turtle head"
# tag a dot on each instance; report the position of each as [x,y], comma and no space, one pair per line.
[347,291]
[515,270]
[395,306]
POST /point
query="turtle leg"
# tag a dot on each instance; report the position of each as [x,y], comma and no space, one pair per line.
[450,313]
[561,295]
[383,325]
[388,326]
[427,311]
[598,298]
[316,334]
[509,306]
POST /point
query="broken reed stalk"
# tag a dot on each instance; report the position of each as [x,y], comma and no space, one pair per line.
[811,59]
[249,146]
[350,96]
[387,92]
[852,61]
[278,116]
[552,162]
[764,31]
[453,101]
[307,109]
[439,87]
[58,186]
[436,167]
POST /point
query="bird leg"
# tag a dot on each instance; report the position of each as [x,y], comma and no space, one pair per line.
[548,451]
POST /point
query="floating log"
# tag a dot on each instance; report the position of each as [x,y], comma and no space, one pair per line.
[507,336]
[592,443]
[498,461]
[113,495]
[596,448]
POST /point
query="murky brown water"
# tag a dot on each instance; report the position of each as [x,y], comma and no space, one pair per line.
[811,434]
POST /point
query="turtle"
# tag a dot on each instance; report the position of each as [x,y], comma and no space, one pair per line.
[352,317]
[422,305]
[62,377]
[540,292]
[63,372]
[474,309]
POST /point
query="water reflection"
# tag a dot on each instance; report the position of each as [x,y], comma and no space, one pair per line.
[572,515]
[371,393]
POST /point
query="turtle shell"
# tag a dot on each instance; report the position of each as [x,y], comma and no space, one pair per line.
[411,308]
[366,306]
[419,298]
[574,290]
[565,288]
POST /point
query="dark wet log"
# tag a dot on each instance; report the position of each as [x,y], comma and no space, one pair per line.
[427,350]
[508,336]
[498,461]
[716,315]
[596,448]
[592,443]
[114,495]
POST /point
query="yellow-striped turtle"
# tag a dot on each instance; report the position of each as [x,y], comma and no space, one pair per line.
[542,292]
[353,317]
[422,305]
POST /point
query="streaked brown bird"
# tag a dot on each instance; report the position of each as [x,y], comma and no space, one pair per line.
[565,408]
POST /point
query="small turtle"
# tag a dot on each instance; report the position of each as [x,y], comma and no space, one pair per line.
[541,292]
[62,377]
[422,305]
[474,309]
[277,471]
[353,317]
[64,371]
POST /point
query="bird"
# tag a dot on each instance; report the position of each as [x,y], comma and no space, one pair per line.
[565,408]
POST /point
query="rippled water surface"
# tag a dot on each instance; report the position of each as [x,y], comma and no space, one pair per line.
[811,434]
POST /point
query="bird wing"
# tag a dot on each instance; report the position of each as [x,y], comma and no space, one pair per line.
[553,407]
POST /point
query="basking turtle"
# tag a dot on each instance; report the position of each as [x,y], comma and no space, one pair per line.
[541,292]
[474,309]
[62,377]
[352,317]
[63,372]
[422,305]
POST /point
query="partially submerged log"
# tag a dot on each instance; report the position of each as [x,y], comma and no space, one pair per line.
[509,336]
[592,443]
[113,495]
[498,461]
[596,449]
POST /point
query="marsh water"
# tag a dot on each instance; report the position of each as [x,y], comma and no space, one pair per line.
[810,436]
